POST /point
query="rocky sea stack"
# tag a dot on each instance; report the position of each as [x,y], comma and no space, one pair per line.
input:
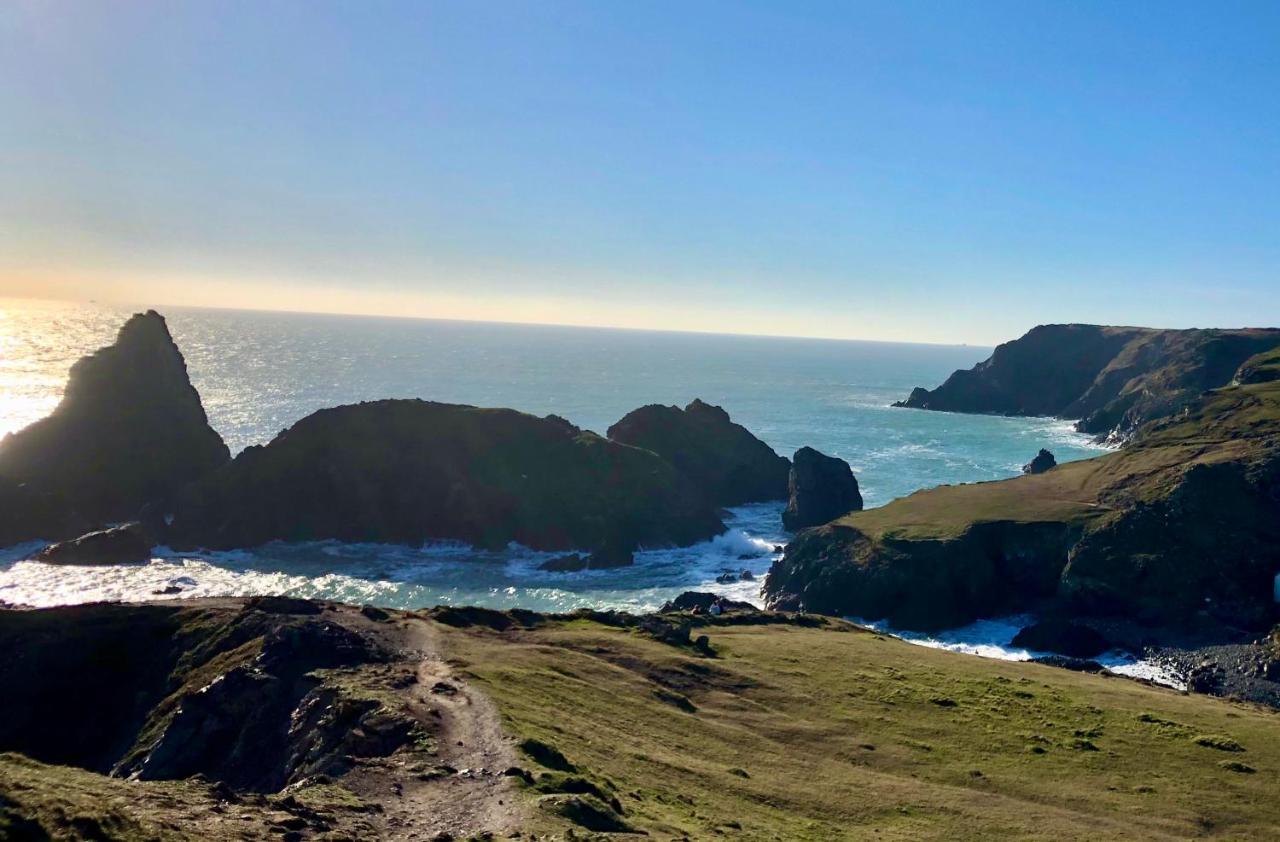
[1113,379]
[130,430]
[729,464]
[407,471]
[821,487]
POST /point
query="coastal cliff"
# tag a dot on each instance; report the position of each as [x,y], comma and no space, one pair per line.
[1112,379]
[1180,527]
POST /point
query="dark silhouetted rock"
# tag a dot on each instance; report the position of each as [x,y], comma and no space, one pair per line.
[130,429]
[1113,379]
[822,488]
[127,544]
[1068,663]
[722,458]
[406,471]
[27,514]
[702,600]
[1044,461]
[600,560]
[1063,637]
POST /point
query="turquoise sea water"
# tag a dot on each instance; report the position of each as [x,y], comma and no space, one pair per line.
[260,372]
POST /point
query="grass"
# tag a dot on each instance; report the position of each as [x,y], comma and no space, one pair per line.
[1229,424]
[829,733]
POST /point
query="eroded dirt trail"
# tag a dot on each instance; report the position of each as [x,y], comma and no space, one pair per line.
[462,791]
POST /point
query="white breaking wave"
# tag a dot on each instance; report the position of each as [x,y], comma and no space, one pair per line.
[993,638]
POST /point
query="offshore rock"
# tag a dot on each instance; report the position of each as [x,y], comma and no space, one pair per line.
[723,459]
[822,488]
[408,471]
[130,430]
[127,544]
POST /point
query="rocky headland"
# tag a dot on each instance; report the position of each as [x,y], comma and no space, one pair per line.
[1112,380]
[1180,528]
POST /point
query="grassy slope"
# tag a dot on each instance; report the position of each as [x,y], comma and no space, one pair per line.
[1226,426]
[841,735]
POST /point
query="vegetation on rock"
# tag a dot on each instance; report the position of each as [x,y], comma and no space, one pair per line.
[1182,525]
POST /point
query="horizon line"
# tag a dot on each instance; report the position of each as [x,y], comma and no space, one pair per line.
[159,307]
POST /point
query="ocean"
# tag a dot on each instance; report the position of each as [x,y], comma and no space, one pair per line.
[260,372]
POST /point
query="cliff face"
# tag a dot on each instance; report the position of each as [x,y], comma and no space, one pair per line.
[724,459]
[405,471]
[1113,379]
[1180,527]
[130,429]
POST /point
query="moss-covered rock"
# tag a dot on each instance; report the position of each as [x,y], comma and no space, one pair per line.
[729,464]
[405,471]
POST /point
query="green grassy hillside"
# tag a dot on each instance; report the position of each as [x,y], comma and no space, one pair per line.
[1183,520]
[830,733]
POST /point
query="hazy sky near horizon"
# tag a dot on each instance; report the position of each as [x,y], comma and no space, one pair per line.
[929,171]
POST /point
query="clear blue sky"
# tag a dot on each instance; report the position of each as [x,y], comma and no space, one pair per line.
[951,171]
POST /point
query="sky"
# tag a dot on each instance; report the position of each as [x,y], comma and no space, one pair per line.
[909,170]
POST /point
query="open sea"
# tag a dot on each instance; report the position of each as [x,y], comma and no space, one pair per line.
[260,372]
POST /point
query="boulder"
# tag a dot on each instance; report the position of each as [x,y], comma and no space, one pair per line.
[701,600]
[1044,461]
[723,459]
[127,544]
[1062,637]
[822,488]
[1068,663]
[130,429]
[600,560]
[407,471]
